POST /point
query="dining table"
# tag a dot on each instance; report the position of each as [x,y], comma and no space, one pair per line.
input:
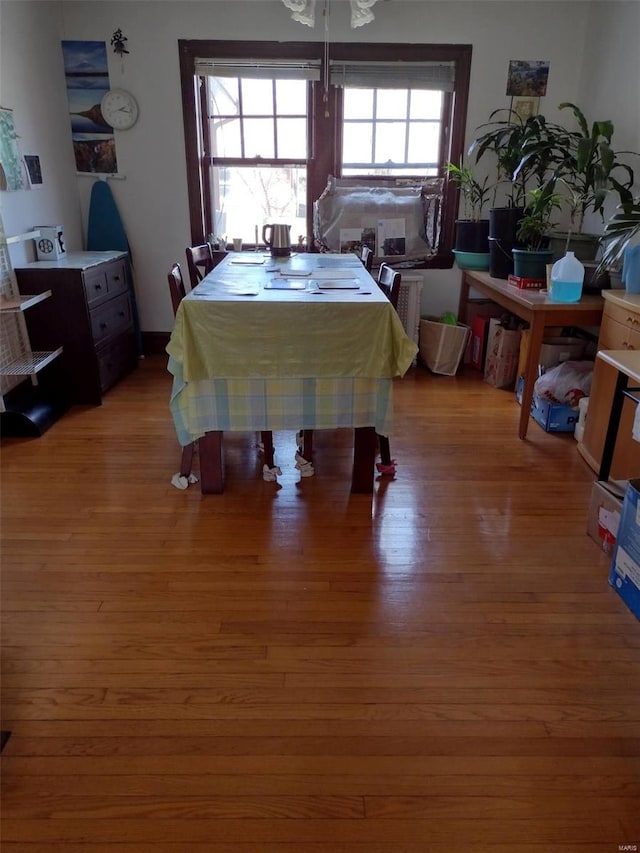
[303,342]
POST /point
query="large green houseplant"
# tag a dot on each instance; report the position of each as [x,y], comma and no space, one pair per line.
[586,165]
[621,232]
[534,228]
[472,231]
[525,156]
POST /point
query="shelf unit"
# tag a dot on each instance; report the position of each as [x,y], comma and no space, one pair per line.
[23,411]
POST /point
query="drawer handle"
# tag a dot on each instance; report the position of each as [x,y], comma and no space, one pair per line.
[121,314]
[103,325]
[116,278]
[97,286]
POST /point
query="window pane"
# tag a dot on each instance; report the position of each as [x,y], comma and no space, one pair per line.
[258,137]
[357,144]
[248,196]
[257,97]
[424,142]
[426,104]
[226,138]
[391,103]
[292,138]
[358,103]
[291,97]
[390,139]
[223,96]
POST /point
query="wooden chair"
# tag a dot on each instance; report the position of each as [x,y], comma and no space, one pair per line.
[199,262]
[176,287]
[389,283]
[366,256]
[178,291]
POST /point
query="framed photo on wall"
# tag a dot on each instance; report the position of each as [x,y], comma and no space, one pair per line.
[527,78]
[525,108]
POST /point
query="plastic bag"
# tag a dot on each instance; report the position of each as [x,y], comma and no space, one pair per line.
[565,383]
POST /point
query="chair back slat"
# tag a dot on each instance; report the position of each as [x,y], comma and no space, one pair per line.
[176,287]
[366,256]
[389,283]
[199,262]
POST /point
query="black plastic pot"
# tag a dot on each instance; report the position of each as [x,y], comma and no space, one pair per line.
[532,264]
[503,227]
[472,236]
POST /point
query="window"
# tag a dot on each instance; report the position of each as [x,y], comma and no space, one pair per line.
[267,123]
[391,132]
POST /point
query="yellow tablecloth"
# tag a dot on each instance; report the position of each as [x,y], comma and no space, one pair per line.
[285,359]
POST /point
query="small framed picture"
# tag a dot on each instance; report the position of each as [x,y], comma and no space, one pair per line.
[527,78]
[525,108]
[32,162]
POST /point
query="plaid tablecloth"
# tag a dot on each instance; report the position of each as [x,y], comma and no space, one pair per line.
[240,405]
[248,357]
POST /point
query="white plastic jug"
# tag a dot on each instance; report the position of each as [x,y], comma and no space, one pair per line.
[567,276]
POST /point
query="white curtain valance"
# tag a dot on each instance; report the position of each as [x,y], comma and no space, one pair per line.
[394,75]
[259,69]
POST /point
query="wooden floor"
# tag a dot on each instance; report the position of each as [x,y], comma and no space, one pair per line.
[290,669]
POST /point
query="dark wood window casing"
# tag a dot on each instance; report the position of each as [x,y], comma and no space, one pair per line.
[325,119]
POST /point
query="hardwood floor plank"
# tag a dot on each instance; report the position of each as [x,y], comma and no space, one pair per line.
[553,830]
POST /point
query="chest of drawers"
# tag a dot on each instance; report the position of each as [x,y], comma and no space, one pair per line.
[89,313]
[620,330]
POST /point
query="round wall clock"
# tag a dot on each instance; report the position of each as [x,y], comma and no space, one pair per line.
[119,109]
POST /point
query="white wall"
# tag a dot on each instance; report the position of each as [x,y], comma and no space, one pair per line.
[153,198]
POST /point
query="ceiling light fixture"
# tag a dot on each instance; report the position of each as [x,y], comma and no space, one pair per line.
[304,11]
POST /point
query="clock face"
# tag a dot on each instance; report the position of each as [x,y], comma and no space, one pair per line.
[119,109]
[45,245]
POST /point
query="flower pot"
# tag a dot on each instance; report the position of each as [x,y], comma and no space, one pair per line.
[472,236]
[532,264]
[583,246]
[503,226]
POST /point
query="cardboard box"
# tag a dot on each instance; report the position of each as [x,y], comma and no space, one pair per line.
[624,575]
[483,309]
[503,348]
[552,417]
[524,283]
[604,516]
[554,349]
[50,245]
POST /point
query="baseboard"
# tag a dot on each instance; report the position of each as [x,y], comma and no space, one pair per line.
[155,343]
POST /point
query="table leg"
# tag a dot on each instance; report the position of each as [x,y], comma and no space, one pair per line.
[536,333]
[612,428]
[267,442]
[364,458]
[211,470]
[464,299]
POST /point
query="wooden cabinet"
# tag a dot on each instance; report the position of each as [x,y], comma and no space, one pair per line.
[620,330]
[89,313]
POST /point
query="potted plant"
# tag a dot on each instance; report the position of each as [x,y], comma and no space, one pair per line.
[621,233]
[533,232]
[524,152]
[590,170]
[472,231]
